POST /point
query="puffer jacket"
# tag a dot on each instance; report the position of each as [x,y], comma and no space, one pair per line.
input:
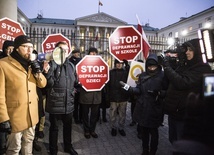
[61,88]
[148,110]
[183,80]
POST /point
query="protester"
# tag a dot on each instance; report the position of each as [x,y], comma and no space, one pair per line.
[148,110]
[61,80]
[118,97]
[7,48]
[75,59]
[90,101]
[19,78]
[184,79]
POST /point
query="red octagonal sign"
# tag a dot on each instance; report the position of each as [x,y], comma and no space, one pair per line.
[48,45]
[93,72]
[125,43]
[9,30]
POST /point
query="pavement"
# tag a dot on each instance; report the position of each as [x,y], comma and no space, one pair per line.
[105,144]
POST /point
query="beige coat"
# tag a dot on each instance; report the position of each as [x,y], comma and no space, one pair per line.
[18,97]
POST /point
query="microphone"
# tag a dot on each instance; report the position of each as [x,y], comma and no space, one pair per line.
[124,85]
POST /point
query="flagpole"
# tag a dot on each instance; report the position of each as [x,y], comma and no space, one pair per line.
[98,6]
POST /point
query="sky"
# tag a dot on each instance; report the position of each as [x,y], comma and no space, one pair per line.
[158,13]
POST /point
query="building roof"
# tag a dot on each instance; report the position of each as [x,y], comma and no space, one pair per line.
[42,20]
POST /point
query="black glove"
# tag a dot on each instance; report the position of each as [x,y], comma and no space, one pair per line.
[125,62]
[163,60]
[35,67]
[5,127]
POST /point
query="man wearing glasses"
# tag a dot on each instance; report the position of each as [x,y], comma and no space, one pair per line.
[19,77]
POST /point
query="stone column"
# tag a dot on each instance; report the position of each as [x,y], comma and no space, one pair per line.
[8,9]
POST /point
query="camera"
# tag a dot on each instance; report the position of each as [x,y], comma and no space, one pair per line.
[208,86]
[176,57]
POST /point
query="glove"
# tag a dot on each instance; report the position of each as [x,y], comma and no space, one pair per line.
[125,62]
[5,127]
[124,85]
[164,61]
[35,67]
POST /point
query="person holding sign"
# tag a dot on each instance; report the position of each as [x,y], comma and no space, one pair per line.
[90,101]
[62,79]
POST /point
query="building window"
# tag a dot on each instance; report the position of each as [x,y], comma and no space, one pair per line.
[170,34]
[200,25]
[208,19]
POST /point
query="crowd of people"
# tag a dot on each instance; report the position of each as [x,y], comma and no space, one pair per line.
[29,88]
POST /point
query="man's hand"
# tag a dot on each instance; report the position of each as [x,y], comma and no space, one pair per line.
[35,67]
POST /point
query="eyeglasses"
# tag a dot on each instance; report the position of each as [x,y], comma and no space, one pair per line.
[27,47]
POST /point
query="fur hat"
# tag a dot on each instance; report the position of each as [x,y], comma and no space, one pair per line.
[21,40]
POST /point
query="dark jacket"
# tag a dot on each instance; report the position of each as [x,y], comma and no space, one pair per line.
[90,97]
[115,92]
[183,80]
[148,110]
[60,88]
[74,60]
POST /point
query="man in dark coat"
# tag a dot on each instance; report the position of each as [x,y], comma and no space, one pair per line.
[183,80]
[148,110]
[118,97]
[61,81]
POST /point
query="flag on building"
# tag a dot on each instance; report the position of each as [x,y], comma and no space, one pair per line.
[100,3]
[145,43]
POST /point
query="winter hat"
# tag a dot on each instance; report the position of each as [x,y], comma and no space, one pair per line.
[6,44]
[21,40]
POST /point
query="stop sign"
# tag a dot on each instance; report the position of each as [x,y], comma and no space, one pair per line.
[93,72]
[48,45]
[125,43]
[9,30]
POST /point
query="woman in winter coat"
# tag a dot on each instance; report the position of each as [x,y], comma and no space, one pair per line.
[148,110]
[183,80]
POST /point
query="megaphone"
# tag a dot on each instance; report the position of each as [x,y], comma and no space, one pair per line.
[58,55]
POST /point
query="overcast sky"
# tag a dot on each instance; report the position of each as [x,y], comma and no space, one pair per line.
[158,13]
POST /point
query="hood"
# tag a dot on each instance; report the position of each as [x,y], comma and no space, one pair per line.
[152,58]
[195,46]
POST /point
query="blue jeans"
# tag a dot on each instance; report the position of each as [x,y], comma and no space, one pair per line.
[176,129]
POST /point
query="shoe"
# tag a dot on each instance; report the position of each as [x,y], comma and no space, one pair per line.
[94,135]
[122,132]
[105,120]
[87,135]
[132,123]
[40,134]
[113,132]
[139,136]
[71,151]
